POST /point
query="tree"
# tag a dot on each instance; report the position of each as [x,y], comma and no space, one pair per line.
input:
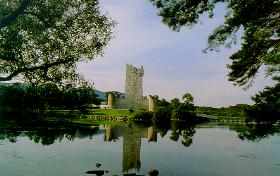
[50,95]
[42,40]
[162,103]
[174,103]
[188,104]
[267,104]
[260,41]
[182,111]
[12,95]
[162,111]
[188,98]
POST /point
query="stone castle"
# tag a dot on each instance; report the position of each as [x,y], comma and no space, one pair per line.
[133,98]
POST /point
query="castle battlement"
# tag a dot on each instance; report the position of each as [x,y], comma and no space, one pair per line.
[131,68]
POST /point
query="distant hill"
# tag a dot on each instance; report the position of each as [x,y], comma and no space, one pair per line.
[102,95]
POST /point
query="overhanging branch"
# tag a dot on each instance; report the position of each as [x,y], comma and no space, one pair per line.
[30,69]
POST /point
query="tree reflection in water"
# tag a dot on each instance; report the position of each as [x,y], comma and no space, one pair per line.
[186,131]
[46,135]
[256,132]
[131,135]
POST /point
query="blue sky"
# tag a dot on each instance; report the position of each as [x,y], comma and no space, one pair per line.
[173,61]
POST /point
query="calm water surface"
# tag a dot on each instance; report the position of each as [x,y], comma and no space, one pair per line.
[203,150]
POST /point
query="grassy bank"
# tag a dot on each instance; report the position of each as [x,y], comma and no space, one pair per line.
[108,116]
[91,112]
[113,112]
[76,117]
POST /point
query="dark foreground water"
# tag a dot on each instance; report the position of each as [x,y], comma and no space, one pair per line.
[203,150]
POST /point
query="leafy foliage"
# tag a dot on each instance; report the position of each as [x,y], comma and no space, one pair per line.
[23,97]
[42,40]
[238,111]
[177,13]
[143,116]
[267,104]
[258,19]
[260,45]
[175,110]
[188,104]
[184,110]
[174,103]
[162,114]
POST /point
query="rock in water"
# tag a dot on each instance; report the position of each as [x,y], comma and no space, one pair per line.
[153,172]
[97,165]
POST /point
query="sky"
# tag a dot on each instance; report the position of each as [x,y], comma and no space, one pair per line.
[173,61]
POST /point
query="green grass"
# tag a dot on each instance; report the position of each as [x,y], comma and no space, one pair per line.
[101,112]
[82,120]
[112,112]
[99,122]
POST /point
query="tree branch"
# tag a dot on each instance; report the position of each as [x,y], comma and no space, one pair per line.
[30,69]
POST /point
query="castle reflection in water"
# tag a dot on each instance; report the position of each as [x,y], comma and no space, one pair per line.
[131,143]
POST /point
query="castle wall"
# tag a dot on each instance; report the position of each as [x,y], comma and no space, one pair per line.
[152,100]
[123,103]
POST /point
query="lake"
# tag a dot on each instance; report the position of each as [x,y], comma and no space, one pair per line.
[202,150]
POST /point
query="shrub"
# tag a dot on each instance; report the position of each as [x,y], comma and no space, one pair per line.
[162,114]
[143,116]
[131,111]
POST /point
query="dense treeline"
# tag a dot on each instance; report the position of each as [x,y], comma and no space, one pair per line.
[266,107]
[238,110]
[25,97]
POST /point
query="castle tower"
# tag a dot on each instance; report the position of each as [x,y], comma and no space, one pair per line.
[152,100]
[134,83]
[111,100]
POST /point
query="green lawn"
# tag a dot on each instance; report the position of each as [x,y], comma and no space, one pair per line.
[99,122]
[62,116]
[112,112]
